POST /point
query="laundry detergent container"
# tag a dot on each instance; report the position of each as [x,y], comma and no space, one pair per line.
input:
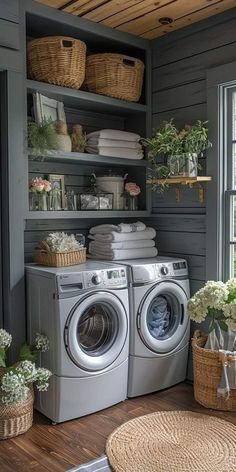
[58,60]
[113,184]
[115,75]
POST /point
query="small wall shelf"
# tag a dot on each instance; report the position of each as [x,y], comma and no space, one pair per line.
[188,181]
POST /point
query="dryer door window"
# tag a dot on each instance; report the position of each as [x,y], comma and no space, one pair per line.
[163,318]
[96,331]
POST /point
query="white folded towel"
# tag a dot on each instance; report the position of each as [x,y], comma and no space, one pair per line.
[107,247]
[120,228]
[115,134]
[116,152]
[119,254]
[114,236]
[114,143]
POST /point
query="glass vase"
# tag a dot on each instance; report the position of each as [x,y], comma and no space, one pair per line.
[42,202]
[131,202]
[176,165]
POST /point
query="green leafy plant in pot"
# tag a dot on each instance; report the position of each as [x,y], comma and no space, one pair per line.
[42,138]
[175,153]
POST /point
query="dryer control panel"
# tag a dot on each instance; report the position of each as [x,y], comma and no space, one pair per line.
[71,283]
[144,273]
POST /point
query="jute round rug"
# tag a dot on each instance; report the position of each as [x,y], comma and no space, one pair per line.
[173,441]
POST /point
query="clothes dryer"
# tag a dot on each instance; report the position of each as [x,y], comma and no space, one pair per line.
[159,325]
[84,311]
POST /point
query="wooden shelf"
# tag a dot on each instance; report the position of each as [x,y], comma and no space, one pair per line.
[54,215]
[88,159]
[181,180]
[85,100]
[188,181]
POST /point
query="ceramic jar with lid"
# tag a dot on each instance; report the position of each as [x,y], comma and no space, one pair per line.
[112,184]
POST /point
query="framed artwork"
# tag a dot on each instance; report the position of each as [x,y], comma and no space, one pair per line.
[57,194]
[46,108]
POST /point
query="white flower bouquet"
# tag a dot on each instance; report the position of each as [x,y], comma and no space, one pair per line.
[16,380]
[216,301]
[60,249]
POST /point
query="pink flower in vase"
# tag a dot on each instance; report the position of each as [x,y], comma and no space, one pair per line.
[132,189]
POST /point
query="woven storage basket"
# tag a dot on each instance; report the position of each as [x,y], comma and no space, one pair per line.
[58,60]
[17,418]
[60,259]
[207,369]
[115,75]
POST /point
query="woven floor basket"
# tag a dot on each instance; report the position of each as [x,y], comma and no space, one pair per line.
[18,418]
[115,75]
[60,259]
[58,60]
[207,369]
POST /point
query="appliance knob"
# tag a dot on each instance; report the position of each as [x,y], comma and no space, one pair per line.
[96,279]
[164,270]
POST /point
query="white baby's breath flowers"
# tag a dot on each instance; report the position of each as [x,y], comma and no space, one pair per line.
[41,342]
[13,388]
[43,376]
[28,370]
[5,339]
[196,310]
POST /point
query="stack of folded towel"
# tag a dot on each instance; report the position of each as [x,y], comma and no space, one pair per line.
[123,241]
[114,143]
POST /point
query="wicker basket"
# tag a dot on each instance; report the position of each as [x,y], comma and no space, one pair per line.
[115,75]
[58,60]
[207,369]
[60,259]
[17,418]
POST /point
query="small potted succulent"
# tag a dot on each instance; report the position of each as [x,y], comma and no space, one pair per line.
[16,385]
[175,153]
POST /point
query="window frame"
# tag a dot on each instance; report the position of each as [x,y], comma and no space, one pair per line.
[221,81]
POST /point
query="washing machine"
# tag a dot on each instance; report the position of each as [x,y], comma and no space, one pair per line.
[84,311]
[159,324]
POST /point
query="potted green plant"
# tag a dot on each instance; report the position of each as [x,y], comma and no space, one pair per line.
[175,153]
[16,385]
[42,137]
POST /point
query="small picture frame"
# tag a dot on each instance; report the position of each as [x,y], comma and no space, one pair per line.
[57,194]
[46,108]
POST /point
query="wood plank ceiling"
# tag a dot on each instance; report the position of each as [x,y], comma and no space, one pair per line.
[146,18]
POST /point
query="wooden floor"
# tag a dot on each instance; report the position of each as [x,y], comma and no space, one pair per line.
[58,448]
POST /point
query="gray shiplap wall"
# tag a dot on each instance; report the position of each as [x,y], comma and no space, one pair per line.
[180,61]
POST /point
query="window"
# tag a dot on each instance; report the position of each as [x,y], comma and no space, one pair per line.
[229,176]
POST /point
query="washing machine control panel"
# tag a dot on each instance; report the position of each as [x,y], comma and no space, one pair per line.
[106,278]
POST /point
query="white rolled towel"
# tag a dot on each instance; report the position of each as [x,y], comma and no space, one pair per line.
[106,247]
[120,254]
[114,134]
[114,236]
[120,228]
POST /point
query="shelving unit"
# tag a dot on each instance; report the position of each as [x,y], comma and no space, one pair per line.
[187,181]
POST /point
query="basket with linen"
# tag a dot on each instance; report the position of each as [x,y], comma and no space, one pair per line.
[207,369]
[115,75]
[58,60]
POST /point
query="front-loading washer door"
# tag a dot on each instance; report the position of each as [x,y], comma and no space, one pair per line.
[162,318]
[96,331]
